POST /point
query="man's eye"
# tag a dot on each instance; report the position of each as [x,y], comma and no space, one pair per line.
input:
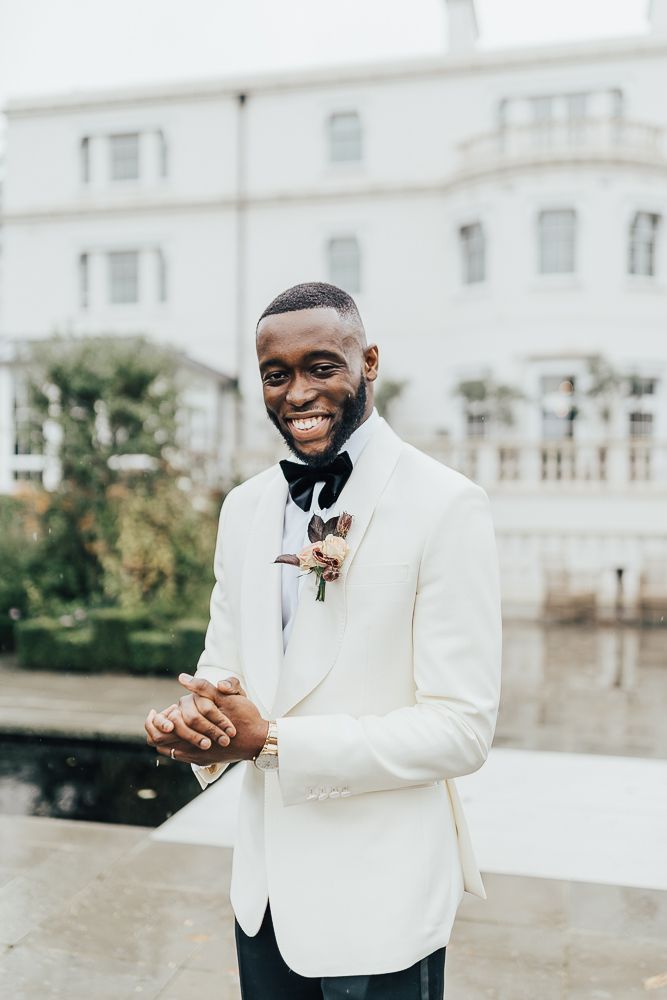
[323,370]
[273,377]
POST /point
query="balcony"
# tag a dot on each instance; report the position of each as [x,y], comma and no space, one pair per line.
[557,465]
[603,140]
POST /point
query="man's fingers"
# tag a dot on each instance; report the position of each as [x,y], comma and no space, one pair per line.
[189,735]
[203,716]
[231,685]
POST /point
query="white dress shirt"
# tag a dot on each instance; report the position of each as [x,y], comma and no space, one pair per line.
[295,526]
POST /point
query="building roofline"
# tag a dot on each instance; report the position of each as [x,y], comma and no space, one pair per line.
[477,61]
[13,353]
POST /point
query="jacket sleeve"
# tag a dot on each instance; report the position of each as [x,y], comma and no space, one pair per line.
[220,658]
[456,661]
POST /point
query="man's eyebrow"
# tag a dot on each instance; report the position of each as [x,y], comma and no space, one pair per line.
[311,356]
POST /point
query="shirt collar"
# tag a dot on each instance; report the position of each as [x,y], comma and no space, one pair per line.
[358,440]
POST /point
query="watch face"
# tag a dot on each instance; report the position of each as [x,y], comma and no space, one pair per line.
[267,761]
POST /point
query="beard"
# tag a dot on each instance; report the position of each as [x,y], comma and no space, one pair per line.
[351,416]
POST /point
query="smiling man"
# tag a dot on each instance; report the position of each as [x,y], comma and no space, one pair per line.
[353,714]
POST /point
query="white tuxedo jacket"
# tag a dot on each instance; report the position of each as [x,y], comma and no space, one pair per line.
[388,690]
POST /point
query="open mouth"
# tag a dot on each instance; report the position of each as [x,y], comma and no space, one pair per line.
[309,428]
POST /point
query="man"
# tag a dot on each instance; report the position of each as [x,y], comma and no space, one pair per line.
[352,852]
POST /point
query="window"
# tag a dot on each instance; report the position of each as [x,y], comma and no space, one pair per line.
[124,157]
[84,280]
[345,137]
[643,238]
[163,154]
[28,432]
[559,410]
[543,110]
[641,425]
[476,424]
[344,263]
[472,253]
[124,277]
[557,232]
[639,385]
[84,159]
[161,264]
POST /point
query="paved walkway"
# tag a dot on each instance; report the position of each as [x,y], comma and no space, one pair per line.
[92,706]
[109,912]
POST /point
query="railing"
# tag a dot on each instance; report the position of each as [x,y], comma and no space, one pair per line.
[602,138]
[555,463]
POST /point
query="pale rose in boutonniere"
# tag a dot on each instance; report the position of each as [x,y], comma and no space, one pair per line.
[327,550]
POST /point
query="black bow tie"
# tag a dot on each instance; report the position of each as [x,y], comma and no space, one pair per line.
[301,480]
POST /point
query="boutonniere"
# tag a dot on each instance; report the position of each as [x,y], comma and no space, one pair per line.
[327,550]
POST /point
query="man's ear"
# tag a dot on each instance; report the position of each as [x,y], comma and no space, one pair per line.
[371,362]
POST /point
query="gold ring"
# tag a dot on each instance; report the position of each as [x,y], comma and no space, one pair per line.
[172,753]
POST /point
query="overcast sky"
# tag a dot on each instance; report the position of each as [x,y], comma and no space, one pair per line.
[57,45]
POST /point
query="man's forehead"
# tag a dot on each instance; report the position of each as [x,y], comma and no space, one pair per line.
[305,330]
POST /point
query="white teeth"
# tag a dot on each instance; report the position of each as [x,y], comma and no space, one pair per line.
[308,423]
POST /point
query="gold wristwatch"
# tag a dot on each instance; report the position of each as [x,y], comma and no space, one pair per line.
[267,758]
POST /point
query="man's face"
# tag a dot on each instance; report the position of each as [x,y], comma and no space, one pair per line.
[316,378]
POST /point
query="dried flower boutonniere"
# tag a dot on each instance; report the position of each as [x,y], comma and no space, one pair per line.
[327,550]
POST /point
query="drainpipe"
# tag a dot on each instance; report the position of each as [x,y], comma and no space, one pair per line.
[240,278]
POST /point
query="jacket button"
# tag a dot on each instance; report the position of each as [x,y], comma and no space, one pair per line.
[310,794]
[322,796]
[345,794]
[334,793]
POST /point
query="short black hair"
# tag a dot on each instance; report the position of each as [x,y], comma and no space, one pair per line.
[314,295]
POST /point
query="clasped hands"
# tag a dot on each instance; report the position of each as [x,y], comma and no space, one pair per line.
[209,725]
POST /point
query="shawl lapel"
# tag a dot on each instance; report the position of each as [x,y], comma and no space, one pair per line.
[319,626]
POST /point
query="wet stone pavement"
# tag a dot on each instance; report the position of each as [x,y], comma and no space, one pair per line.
[97,911]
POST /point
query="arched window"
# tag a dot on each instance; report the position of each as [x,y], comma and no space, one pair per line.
[345,144]
[642,246]
[557,241]
[344,263]
[473,253]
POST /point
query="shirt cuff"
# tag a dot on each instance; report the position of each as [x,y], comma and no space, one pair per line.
[206,775]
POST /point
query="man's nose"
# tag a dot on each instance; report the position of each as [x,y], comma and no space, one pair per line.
[300,392]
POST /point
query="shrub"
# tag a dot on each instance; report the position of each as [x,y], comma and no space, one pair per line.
[152,652]
[111,636]
[189,635]
[74,649]
[35,643]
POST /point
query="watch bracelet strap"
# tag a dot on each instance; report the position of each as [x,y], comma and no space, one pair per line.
[271,744]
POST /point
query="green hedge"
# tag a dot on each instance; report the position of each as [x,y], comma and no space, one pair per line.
[189,634]
[75,650]
[45,644]
[153,652]
[35,643]
[112,628]
[111,641]
[6,635]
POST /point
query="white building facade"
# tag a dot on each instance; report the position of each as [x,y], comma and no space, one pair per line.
[498,216]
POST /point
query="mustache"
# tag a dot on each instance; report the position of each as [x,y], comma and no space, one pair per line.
[351,415]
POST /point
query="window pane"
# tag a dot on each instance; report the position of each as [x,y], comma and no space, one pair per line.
[161,264]
[643,236]
[124,277]
[641,425]
[163,154]
[345,137]
[28,433]
[344,264]
[472,253]
[84,269]
[557,230]
[124,157]
[85,160]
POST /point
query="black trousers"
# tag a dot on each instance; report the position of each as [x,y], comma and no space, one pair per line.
[265,976]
